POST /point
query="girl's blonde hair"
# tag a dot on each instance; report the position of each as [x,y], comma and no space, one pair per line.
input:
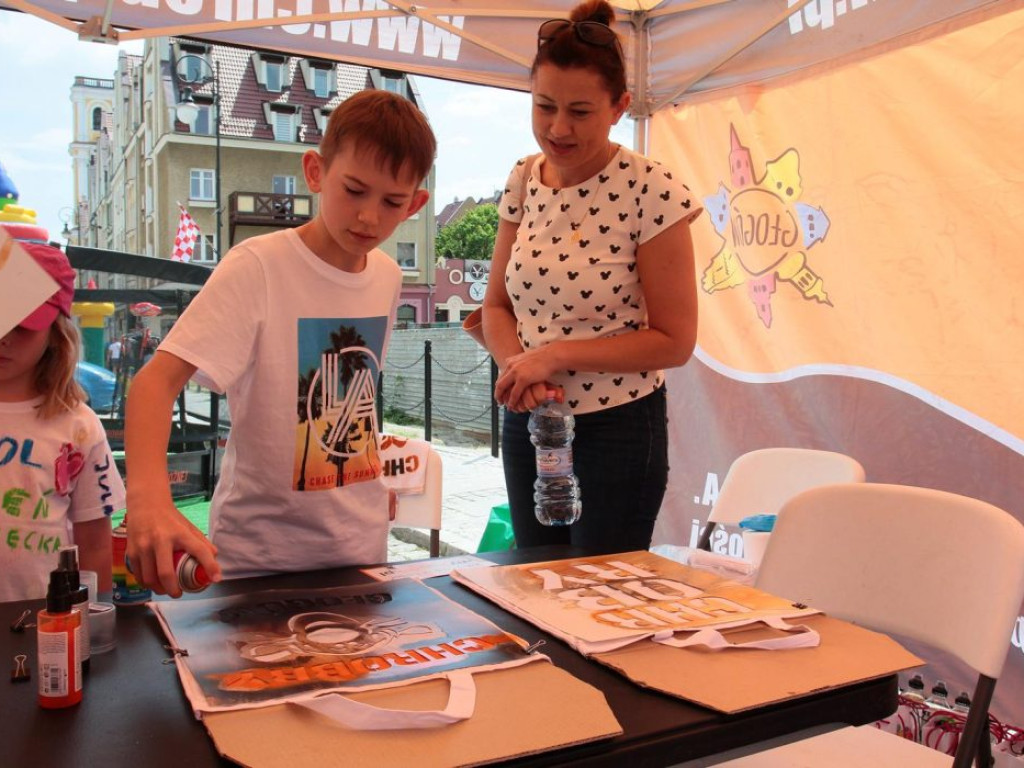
[55,371]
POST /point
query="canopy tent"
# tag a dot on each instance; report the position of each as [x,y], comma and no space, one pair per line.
[676,49]
[859,257]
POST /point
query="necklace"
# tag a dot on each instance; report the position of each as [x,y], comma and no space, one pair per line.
[576,225]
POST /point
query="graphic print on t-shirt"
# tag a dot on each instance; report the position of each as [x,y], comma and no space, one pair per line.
[336,417]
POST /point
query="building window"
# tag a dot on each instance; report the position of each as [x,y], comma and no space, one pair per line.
[203,125]
[406,315]
[200,185]
[406,255]
[393,84]
[321,116]
[204,251]
[97,118]
[283,185]
[322,82]
[285,125]
[191,66]
[274,73]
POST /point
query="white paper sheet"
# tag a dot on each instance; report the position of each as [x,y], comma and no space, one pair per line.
[426,569]
[24,285]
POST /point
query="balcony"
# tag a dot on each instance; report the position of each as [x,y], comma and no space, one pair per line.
[266,209]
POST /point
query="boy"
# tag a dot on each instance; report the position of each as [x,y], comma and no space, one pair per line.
[293,326]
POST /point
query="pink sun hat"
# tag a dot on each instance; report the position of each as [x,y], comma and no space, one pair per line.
[59,268]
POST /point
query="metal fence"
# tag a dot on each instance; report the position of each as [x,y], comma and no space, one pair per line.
[440,377]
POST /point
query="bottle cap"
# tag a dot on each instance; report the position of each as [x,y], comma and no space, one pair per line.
[58,593]
[68,562]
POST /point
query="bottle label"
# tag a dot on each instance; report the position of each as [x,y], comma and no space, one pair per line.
[53,663]
[554,462]
[83,644]
[79,631]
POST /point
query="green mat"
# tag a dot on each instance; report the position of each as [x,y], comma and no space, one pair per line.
[196,509]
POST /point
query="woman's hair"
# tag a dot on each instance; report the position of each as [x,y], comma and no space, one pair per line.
[566,49]
[55,371]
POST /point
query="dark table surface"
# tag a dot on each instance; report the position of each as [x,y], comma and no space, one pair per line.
[134,712]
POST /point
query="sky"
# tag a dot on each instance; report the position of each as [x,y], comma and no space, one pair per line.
[481,131]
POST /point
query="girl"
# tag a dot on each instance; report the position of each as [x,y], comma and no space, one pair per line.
[596,291]
[58,481]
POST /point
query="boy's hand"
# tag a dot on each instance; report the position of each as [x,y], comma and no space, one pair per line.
[155,531]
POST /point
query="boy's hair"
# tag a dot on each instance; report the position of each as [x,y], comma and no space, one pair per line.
[387,124]
[55,371]
[567,49]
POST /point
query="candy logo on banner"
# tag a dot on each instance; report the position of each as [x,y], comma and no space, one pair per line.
[765,231]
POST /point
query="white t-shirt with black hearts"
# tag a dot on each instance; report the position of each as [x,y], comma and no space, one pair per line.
[587,287]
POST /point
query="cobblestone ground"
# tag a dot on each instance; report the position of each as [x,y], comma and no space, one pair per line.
[404,550]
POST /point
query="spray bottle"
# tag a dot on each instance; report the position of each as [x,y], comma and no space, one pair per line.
[79,599]
[58,631]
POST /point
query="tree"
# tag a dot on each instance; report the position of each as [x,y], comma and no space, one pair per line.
[472,236]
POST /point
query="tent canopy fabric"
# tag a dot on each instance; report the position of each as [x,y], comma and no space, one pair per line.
[117,262]
[675,49]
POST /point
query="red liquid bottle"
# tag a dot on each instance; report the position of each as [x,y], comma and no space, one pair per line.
[58,633]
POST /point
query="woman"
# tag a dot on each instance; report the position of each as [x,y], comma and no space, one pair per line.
[593,291]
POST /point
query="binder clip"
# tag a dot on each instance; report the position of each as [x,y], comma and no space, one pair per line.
[20,673]
[175,653]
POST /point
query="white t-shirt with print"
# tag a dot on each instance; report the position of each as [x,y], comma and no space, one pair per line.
[572,273]
[53,473]
[297,345]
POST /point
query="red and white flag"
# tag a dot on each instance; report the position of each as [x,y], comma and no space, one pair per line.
[185,240]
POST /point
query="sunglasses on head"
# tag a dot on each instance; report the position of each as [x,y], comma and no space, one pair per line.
[590,32]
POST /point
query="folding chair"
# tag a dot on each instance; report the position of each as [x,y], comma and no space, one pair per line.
[761,481]
[857,552]
[423,510]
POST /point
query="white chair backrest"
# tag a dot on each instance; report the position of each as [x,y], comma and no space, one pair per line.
[423,510]
[761,481]
[938,567]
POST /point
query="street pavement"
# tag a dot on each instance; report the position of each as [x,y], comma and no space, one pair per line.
[473,482]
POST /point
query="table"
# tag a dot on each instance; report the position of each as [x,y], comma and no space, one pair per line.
[134,711]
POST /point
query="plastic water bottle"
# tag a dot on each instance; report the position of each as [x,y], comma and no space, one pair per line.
[939,698]
[556,494]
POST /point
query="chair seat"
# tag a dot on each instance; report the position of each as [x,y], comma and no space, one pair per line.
[861,747]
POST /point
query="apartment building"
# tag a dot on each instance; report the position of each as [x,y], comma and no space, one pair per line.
[221,131]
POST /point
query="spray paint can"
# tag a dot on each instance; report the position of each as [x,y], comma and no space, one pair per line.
[127,589]
[192,577]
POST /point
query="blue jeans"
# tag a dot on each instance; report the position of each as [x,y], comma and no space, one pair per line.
[620,456]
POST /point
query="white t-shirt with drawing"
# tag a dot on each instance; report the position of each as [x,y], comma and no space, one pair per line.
[297,345]
[53,473]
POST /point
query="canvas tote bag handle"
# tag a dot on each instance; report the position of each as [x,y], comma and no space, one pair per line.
[366,717]
[798,636]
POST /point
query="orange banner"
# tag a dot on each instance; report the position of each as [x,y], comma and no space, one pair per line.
[867,221]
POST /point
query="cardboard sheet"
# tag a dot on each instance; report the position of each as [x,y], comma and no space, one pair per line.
[736,680]
[607,608]
[519,712]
